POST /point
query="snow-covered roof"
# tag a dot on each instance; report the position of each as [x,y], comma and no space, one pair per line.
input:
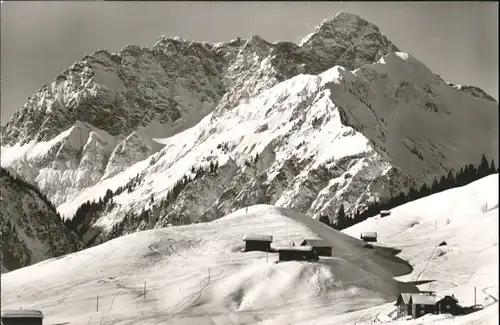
[258,237]
[317,242]
[22,313]
[446,297]
[294,248]
[423,299]
[368,234]
[386,212]
[406,297]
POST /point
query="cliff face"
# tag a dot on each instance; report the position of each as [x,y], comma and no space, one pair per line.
[32,229]
[342,117]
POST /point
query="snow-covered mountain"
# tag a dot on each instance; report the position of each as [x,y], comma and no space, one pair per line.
[32,230]
[342,117]
[196,274]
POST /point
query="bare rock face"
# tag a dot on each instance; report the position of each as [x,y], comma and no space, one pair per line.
[341,118]
[32,230]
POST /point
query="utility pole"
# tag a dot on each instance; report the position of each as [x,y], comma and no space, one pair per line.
[474,296]
[267,256]
[97,303]
[144,289]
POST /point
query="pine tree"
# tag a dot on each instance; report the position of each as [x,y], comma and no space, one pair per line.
[459,177]
[341,218]
[435,186]
[212,167]
[424,191]
[450,180]
[493,169]
[324,219]
[483,168]
[412,194]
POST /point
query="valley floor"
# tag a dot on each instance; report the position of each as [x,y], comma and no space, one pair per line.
[197,274]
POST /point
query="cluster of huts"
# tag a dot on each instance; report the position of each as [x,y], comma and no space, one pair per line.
[308,249]
[418,304]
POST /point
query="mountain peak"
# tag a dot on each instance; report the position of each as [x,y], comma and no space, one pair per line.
[343,24]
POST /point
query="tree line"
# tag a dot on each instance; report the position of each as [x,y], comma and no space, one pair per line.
[466,175]
[89,211]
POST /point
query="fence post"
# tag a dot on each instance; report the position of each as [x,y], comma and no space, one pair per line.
[474,296]
[144,289]
[208,275]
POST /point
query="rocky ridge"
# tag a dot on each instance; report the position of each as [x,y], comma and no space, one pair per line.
[303,126]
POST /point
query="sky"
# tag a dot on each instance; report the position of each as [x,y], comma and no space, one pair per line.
[40,39]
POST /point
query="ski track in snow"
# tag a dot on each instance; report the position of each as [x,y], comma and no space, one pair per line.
[243,289]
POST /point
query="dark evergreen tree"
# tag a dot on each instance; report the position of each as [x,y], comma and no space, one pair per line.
[341,218]
[324,219]
[483,168]
[424,191]
[412,194]
[450,180]
[471,174]
[493,169]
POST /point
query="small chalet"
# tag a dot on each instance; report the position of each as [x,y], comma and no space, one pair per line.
[320,246]
[24,317]
[296,253]
[385,213]
[448,304]
[257,242]
[412,304]
[369,237]
[422,304]
[403,304]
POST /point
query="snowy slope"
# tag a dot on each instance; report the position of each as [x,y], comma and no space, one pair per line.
[356,286]
[175,263]
[32,231]
[466,218]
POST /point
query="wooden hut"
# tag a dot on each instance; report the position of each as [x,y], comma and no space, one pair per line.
[369,236]
[296,253]
[255,242]
[448,304]
[403,304]
[320,246]
[413,304]
[422,304]
[385,213]
[22,317]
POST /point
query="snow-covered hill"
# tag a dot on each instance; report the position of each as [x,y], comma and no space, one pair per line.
[32,230]
[196,274]
[466,218]
[342,117]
